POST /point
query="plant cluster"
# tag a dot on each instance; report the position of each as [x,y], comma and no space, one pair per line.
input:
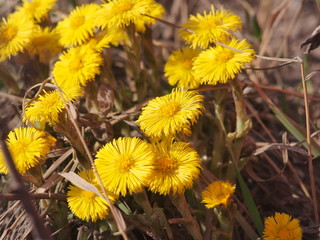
[104,112]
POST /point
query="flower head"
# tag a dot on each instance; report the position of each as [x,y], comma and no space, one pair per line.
[121,13]
[125,165]
[176,166]
[178,68]
[15,34]
[45,44]
[36,9]
[28,147]
[79,26]
[87,205]
[217,193]
[78,65]
[208,28]
[219,64]
[282,227]
[49,105]
[171,114]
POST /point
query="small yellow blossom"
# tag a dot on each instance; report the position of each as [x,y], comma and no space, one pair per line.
[178,68]
[219,64]
[121,13]
[28,147]
[125,165]
[87,205]
[49,105]
[282,227]
[36,9]
[176,166]
[45,44]
[78,65]
[171,114]
[15,33]
[205,29]
[217,193]
[79,26]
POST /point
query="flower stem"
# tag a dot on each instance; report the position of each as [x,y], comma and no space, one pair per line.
[191,224]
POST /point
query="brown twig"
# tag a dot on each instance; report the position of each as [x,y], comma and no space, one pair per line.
[308,133]
[13,196]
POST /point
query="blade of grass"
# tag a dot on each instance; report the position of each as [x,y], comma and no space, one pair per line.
[299,133]
[249,202]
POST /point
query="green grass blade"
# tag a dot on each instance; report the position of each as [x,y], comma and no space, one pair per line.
[295,131]
[250,202]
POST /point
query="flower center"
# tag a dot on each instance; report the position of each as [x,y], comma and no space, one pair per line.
[20,147]
[284,234]
[77,21]
[224,56]
[88,195]
[75,64]
[123,7]
[187,64]
[125,163]
[169,109]
[167,164]
[9,33]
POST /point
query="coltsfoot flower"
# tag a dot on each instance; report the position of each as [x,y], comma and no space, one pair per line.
[176,167]
[36,9]
[217,193]
[47,107]
[87,205]
[44,43]
[28,147]
[79,26]
[219,64]
[205,29]
[178,68]
[77,66]
[125,165]
[15,34]
[282,227]
[173,113]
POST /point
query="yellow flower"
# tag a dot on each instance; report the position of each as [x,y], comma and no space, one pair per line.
[45,44]
[28,147]
[37,9]
[219,64]
[49,105]
[208,28]
[120,13]
[78,65]
[79,26]
[156,11]
[125,165]
[87,205]
[177,165]
[45,109]
[282,227]
[15,34]
[171,114]
[178,68]
[217,193]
